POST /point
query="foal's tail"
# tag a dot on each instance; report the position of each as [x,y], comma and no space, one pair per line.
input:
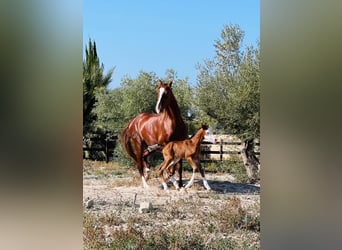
[126,143]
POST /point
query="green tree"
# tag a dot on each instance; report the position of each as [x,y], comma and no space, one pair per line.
[138,95]
[93,79]
[115,108]
[228,90]
[108,110]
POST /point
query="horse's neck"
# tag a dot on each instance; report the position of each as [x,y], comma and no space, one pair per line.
[198,137]
[174,113]
[173,108]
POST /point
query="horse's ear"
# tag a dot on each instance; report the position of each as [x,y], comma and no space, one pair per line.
[204,126]
[159,82]
[170,84]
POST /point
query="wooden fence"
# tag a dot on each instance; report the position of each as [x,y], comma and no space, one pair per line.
[100,145]
[227,148]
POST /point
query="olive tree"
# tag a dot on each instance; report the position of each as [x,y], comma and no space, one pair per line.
[228,90]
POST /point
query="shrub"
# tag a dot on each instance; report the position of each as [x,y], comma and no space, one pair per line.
[93,234]
[233,216]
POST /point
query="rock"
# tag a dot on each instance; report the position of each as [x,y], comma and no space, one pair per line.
[89,203]
[145,207]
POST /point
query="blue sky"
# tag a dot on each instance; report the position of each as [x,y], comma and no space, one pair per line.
[156,35]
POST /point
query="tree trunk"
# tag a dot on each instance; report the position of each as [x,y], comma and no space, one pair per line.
[251,162]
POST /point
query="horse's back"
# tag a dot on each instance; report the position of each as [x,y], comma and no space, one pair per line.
[139,121]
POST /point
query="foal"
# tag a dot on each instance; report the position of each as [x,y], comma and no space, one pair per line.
[189,150]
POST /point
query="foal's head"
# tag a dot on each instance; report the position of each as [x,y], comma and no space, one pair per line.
[209,136]
[164,95]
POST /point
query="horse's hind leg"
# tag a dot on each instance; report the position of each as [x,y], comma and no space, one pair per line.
[142,173]
[144,156]
[139,162]
[145,167]
[165,165]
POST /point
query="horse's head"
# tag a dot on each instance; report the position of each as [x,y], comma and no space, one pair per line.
[209,136]
[164,94]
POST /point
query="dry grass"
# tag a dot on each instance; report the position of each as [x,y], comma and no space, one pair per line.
[179,226]
[196,219]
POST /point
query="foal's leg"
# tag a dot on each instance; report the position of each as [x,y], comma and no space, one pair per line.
[201,170]
[180,170]
[162,167]
[172,178]
[196,164]
[194,168]
[177,166]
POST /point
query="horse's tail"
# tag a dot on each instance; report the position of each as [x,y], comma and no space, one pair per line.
[126,143]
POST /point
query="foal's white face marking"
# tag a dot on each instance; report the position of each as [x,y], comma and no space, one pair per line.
[160,95]
[209,136]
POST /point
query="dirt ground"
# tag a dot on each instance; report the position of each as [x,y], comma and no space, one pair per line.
[108,191]
[119,193]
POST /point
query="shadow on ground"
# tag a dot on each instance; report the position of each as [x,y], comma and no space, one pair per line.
[226,187]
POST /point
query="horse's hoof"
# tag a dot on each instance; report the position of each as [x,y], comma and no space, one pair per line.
[146,173]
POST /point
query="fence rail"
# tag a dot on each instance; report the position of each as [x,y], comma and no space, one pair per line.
[228,147]
[224,150]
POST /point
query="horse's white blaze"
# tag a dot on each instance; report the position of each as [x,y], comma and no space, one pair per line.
[161,92]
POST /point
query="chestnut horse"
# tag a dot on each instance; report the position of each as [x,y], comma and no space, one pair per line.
[147,133]
[189,150]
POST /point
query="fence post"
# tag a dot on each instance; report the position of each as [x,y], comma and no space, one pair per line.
[221,150]
[106,150]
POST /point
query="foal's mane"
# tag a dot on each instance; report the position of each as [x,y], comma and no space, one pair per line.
[204,127]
